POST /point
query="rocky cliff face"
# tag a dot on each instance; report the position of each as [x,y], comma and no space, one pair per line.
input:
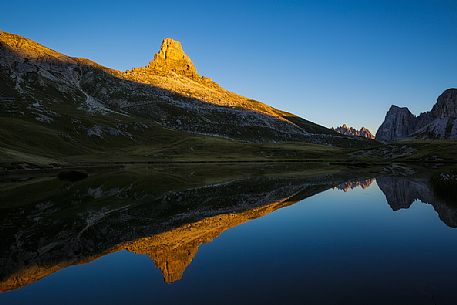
[439,123]
[350,131]
[399,123]
[171,58]
[446,105]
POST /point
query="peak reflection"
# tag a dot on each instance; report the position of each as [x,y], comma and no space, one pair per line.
[163,217]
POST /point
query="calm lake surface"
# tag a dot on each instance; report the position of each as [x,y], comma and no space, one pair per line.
[264,239]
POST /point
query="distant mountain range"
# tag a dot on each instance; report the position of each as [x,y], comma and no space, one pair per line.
[439,123]
[350,131]
[75,105]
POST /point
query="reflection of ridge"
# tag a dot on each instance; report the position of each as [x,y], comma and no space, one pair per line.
[168,227]
[401,192]
[352,184]
[173,251]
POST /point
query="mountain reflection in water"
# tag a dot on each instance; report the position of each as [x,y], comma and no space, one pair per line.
[352,184]
[48,224]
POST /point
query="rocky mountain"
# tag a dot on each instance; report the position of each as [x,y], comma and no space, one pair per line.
[74,105]
[439,123]
[350,131]
[171,57]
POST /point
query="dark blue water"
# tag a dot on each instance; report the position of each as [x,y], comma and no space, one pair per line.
[332,248]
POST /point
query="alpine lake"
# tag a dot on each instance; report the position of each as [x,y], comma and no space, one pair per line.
[269,233]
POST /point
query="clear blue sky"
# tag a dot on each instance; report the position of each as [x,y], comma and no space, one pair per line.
[331,62]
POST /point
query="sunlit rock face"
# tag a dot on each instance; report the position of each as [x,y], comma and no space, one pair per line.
[439,123]
[171,58]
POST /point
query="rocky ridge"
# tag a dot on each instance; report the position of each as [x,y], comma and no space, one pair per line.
[171,57]
[350,131]
[439,123]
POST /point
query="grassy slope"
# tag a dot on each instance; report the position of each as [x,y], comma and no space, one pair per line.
[28,141]
[429,149]
[437,151]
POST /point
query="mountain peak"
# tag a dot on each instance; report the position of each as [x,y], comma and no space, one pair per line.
[446,104]
[398,108]
[172,58]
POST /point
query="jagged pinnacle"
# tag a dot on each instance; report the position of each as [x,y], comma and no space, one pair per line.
[171,57]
